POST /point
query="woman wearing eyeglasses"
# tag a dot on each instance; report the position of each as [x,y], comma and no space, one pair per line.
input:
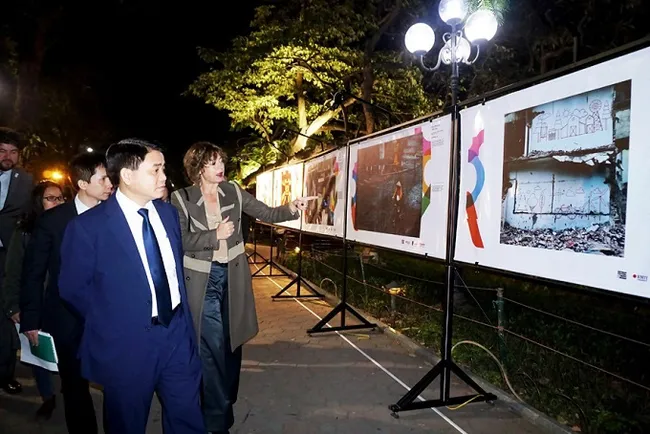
[45,195]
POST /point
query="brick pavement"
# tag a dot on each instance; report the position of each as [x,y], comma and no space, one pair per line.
[294,383]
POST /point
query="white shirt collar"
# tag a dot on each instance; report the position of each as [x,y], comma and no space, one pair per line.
[80,206]
[128,205]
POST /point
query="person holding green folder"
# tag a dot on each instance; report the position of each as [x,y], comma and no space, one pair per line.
[44,309]
[45,195]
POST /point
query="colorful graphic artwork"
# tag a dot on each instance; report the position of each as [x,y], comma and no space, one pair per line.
[471,198]
[426,157]
[353,207]
[398,189]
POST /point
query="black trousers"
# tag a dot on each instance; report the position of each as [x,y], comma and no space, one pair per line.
[221,366]
[8,338]
[8,349]
[79,409]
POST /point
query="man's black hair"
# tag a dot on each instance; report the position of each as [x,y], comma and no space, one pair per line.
[11,137]
[127,154]
[84,165]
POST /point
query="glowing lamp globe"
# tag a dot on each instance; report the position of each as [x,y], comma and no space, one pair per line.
[419,38]
[481,26]
[452,12]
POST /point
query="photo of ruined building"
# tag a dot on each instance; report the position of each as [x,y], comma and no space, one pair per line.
[389,187]
[565,173]
[320,181]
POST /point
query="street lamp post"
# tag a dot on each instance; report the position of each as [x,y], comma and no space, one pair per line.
[465,37]
[481,26]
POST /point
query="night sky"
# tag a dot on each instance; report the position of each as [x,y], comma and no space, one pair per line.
[150,59]
[136,57]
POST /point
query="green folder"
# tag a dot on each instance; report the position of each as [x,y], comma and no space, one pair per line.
[45,349]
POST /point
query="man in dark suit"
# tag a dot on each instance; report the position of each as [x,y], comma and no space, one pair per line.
[46,310]
[15,196]
[122,270]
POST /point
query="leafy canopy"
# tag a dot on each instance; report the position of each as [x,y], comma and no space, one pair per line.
[298,54]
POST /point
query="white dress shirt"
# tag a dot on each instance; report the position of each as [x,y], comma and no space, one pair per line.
[130,210]
[5,180]
[80,206]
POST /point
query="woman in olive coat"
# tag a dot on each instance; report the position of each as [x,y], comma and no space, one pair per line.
[217,274]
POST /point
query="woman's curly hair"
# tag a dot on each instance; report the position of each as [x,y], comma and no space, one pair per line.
[198,156]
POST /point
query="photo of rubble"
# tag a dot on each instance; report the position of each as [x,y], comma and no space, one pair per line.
[565,173]
[389,187]
[320,181]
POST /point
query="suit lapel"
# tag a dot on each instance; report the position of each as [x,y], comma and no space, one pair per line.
[120,227]
[14,180]
[227,202]
[173,233]
[196,208]
[169,227]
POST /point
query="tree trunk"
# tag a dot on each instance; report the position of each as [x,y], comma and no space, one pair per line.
[368,72]
[368,84]
[302,105]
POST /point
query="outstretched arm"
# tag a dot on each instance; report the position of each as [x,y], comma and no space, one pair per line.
[259,210]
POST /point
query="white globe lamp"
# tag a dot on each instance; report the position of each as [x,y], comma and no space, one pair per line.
[452,12]
[419,39]
[481,26]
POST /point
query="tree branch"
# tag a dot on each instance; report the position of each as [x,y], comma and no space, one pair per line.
[315,126]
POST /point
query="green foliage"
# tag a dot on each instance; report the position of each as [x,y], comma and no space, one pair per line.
[536,36]
[298,54]
[498,7]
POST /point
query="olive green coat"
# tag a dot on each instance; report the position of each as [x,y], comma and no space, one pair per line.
[199,242]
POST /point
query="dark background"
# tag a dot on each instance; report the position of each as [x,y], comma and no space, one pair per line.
[132,59]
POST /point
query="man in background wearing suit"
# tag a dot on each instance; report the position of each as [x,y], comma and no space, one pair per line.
[15,197]
[45,309]
[122,269]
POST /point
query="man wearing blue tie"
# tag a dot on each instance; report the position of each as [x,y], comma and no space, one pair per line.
[121,269]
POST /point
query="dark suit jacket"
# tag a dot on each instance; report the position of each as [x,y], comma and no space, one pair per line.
[46,310]
[103,277]
[17,204]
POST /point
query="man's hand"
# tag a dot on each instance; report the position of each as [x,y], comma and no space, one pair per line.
[225,229]
[16,318]
[32,335]
[301,203]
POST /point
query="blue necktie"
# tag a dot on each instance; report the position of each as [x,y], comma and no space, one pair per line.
[157,269]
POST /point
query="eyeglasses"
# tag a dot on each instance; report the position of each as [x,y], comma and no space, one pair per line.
[54,198]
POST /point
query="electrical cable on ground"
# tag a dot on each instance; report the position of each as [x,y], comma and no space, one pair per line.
[503,371]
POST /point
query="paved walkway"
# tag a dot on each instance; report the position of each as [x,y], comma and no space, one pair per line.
[294,383]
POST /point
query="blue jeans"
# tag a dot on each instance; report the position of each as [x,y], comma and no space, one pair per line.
[43,379]
[220,365]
